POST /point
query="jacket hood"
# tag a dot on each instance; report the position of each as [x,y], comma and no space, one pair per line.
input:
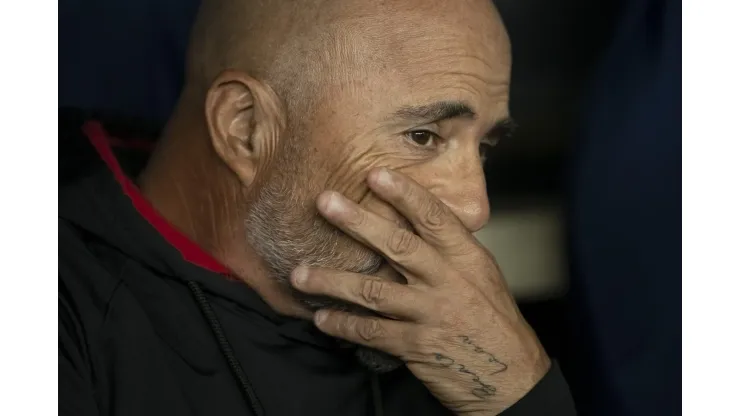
[117,213]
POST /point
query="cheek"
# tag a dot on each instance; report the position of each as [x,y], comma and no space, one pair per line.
[351,167]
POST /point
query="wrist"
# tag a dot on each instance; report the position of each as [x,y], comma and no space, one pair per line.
[511,392]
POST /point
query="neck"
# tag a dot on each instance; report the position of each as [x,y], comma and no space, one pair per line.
[199,195]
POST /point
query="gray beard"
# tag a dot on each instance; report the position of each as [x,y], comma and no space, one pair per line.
[285,242]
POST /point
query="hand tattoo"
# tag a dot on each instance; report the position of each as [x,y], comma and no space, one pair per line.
[483,389]
[491,359]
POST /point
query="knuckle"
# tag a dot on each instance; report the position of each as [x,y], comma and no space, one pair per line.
[403,242]
[373,291]
[369,329]
[434,215]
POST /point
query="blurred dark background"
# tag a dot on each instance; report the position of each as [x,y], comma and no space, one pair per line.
[585,198]
[108,46]
[555,46]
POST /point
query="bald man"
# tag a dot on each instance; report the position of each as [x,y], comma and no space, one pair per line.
[299,242]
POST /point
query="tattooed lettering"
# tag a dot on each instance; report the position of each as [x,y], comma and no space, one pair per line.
[482,389]
[501,367]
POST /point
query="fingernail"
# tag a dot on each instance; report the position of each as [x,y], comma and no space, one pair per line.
[333,204]
[320,316]
[300,275]
[384,178]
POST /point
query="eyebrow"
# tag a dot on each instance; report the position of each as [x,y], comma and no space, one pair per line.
[446,110]
[430,113]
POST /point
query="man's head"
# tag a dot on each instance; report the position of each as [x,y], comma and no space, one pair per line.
[298,97]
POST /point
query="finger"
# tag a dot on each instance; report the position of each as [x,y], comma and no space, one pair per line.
[433,220]
[375,332]
[405,250]
[383,296]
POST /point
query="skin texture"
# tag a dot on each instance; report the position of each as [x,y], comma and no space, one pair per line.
[275,115]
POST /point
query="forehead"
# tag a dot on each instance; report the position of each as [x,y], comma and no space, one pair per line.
[415,57]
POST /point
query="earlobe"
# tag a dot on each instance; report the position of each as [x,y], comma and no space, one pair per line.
[230,114]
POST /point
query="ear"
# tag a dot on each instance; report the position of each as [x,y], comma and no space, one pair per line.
[244,122]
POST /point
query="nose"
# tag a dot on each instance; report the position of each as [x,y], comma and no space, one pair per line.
[466,195]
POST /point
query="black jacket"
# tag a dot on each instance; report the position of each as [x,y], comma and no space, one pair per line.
[150,324]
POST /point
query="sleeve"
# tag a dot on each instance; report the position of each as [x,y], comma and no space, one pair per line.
[551,396]
[76,397]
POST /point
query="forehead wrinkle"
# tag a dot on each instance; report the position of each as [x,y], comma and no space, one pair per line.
[369,43]
[340,56]
[487,38]
[456,81]
[454,55]
[419,65]
[364,49]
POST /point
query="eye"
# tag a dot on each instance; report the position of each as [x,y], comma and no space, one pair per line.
[423,138]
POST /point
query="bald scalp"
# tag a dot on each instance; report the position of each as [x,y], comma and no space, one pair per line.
[303,49]
[293,46]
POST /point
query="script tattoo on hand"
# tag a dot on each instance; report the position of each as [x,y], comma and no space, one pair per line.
[482,389]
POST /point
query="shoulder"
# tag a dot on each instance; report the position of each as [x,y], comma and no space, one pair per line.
[88,276]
